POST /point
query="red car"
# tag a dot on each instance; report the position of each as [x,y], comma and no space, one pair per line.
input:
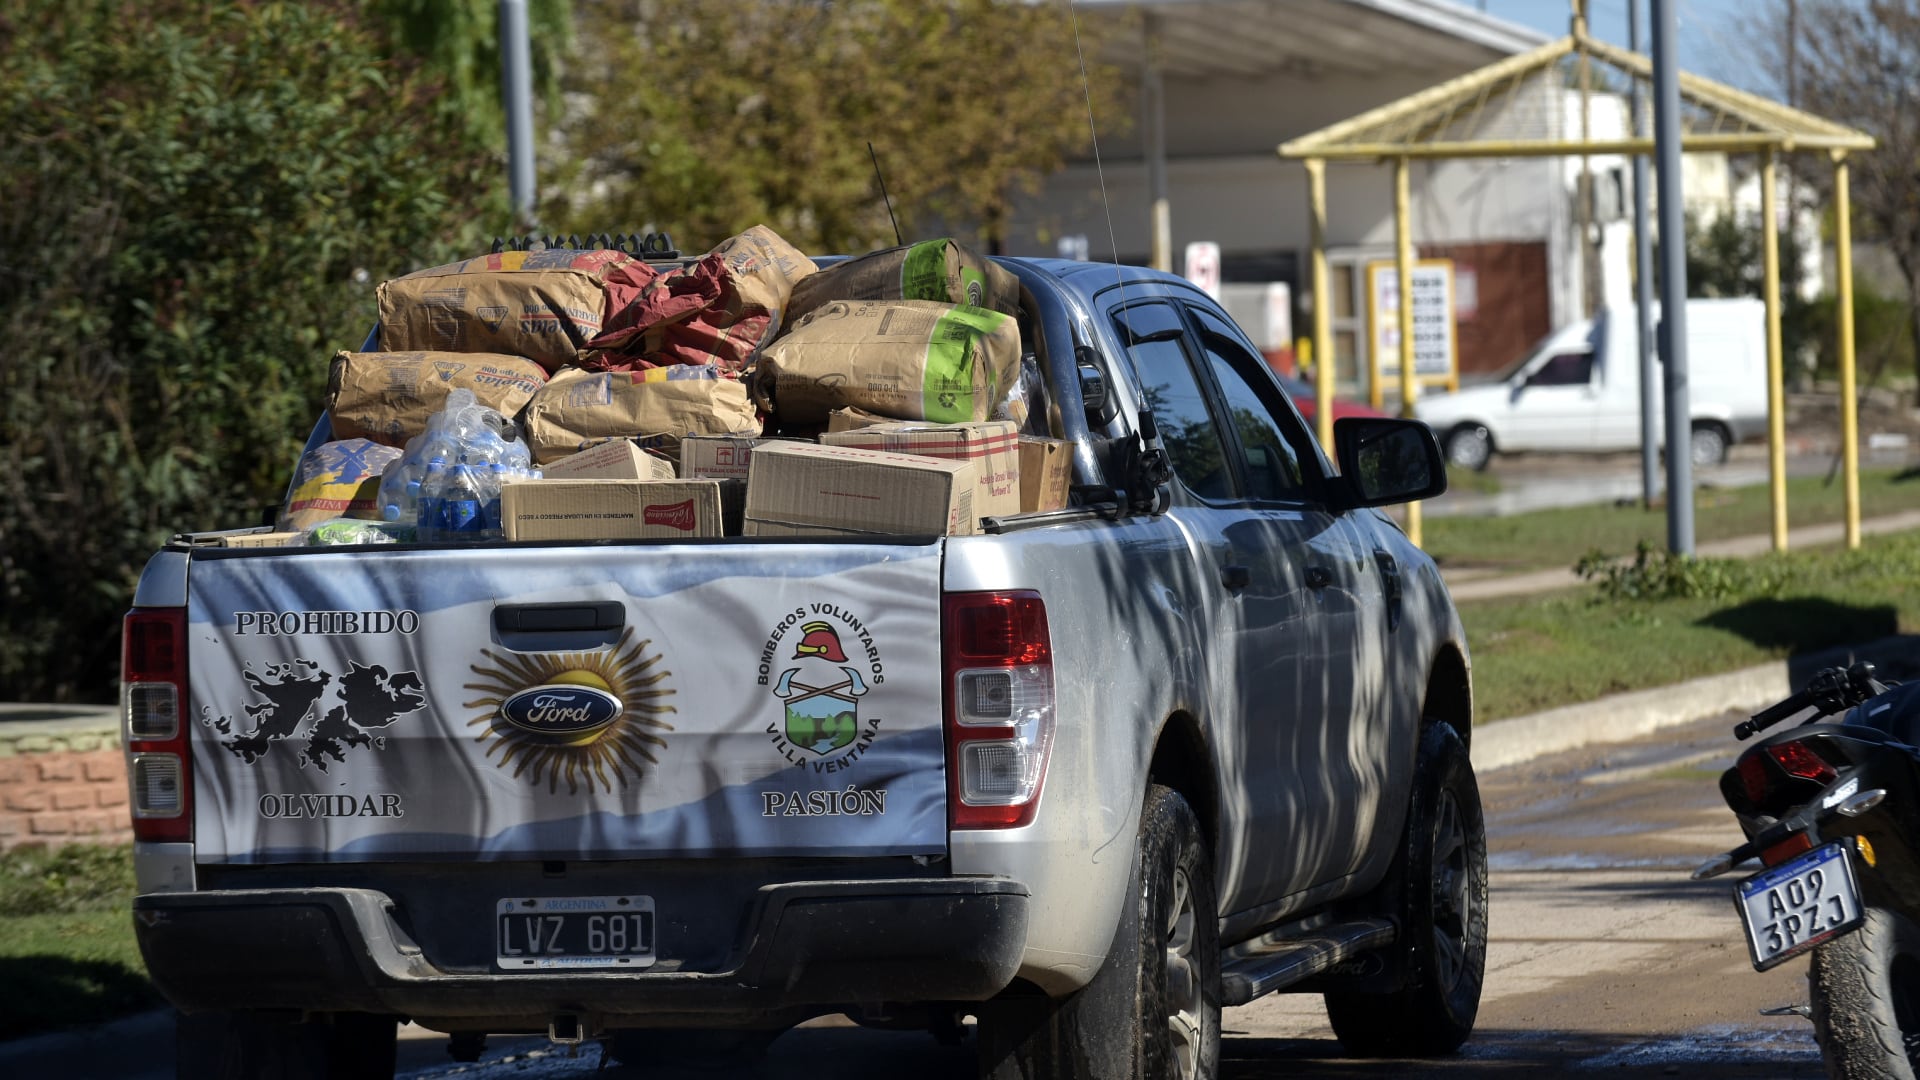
[1301,392]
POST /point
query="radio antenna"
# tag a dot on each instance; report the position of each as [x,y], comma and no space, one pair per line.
[883,192]
[1093,133]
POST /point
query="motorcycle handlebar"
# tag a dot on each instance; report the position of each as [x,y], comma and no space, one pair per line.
[1831,689]
[1775,713]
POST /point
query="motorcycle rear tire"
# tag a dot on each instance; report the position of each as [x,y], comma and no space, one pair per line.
[1866,999]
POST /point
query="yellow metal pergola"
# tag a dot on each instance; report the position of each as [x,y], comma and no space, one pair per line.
[1515,108]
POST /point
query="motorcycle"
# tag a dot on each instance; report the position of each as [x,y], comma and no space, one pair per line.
[1831,810]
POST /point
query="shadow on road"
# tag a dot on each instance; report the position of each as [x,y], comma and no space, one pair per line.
[66,991]
[1498,1053]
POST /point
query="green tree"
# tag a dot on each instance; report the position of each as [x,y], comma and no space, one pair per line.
[199,194]
[702,119]
[459,41]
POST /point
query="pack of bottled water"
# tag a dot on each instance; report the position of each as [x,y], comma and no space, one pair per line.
[447,482]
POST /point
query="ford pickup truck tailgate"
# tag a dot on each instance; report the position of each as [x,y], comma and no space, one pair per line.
[566,702]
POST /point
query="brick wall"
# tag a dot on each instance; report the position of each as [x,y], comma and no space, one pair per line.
[62,780]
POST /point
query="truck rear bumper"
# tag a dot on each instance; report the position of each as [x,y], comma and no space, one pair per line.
[810,944]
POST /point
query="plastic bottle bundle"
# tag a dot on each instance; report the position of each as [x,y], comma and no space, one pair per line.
[448,480]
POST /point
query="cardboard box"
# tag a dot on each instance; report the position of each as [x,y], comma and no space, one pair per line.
[260,540]
[795,489]
[851,419]
[610,509]
[721,457]
[992,445]
[1046,473]
[619,459]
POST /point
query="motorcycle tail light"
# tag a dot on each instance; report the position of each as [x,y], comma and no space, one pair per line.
[1796,844]
[1798,759]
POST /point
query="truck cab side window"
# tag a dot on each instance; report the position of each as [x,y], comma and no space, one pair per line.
[1154,336]
[1567,369]
[1260,421]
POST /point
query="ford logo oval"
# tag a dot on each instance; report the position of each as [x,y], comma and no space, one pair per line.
[562,712]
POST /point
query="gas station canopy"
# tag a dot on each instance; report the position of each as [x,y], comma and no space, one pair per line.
[1517,107]
[1514,108]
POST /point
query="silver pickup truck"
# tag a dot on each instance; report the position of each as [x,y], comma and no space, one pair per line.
[1085,778]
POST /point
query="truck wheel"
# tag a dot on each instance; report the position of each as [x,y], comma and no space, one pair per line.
[1866,999]
[1470,446]
[1153,1010]
[1440,881]
[245,1046]
[1708,444]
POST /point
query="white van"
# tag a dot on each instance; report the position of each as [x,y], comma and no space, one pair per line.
[1579,390]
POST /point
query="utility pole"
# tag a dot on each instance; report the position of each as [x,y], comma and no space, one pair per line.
[1673,281]
[1643,291]
[516,86]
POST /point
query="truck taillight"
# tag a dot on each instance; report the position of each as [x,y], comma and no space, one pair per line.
[153,694]
[999,706]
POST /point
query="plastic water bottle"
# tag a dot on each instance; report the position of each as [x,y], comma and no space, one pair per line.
[428,515]
[491,479]
[462,508]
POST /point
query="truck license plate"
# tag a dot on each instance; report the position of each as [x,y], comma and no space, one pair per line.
[545,932]
[1799,904]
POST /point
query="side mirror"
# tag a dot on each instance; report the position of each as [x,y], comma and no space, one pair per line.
[1385,460]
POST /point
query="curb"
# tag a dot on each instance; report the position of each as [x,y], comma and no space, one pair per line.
[1622,717]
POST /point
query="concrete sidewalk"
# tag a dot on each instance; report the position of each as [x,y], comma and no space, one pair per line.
[1480,585]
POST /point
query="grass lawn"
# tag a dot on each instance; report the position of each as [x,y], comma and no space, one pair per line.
[1555,538]
[1537,652]
[67,954]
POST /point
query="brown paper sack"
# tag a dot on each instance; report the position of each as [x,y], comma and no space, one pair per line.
[902,359]
[578,408]
[941,270]
[387,397]
[543,305]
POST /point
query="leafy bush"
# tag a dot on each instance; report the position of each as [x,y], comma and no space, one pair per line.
[199,194]
[67,880]
[1655,574]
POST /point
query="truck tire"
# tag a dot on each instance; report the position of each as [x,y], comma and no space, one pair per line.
[1153,1009]
[1866,999]
[1470,446]
[1708,444]
[247,1046]
[1439,888]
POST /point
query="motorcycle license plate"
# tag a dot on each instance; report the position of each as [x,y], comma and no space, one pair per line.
[542,933]
[1798,904]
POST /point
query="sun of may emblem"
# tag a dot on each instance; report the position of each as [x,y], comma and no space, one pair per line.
[592,718]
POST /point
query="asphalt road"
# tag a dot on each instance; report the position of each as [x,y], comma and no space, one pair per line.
[1543,481]
[1605,958]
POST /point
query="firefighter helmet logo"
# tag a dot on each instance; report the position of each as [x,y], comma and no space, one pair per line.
[821,693]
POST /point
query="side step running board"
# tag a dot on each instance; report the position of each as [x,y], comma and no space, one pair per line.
[1263,965]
